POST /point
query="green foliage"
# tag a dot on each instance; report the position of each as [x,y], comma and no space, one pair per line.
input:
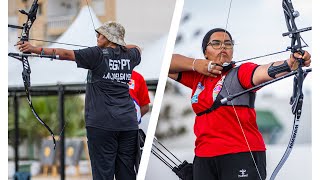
[74,116]
[47,108]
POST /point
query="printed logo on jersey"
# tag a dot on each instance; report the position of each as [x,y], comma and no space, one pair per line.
[131,84]
[243,173]
[120,70]
[217,88]
[196,94]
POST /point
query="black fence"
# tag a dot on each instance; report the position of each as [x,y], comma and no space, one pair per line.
[59,90]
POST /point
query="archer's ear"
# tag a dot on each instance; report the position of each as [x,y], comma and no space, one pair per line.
[205,54]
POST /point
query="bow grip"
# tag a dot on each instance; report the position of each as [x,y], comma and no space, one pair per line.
[298,50]
[301,52]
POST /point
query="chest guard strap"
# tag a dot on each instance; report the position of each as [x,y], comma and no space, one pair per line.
[232,84]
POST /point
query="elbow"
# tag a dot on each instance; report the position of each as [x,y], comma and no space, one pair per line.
[145,109]
[67,55]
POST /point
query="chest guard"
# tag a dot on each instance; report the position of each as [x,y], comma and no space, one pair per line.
[231,85]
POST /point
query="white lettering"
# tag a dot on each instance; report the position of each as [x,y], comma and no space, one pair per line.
[117,64]
[125,62]
[113,64]
[117,76]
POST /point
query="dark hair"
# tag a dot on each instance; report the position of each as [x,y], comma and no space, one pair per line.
[119,49]
[206,38]
[123,48]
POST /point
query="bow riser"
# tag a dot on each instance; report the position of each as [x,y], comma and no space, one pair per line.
[297,98]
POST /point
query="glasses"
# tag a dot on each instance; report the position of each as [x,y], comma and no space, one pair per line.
[216,44]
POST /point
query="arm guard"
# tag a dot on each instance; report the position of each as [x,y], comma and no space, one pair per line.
[274,70]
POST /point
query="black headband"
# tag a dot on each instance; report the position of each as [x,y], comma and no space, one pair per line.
[206,38]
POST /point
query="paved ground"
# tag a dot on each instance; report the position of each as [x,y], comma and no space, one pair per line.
[70,171]
[58,178]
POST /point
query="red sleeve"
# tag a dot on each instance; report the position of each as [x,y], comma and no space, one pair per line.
[187,78]
[139,89]
[245,74]
[143,94]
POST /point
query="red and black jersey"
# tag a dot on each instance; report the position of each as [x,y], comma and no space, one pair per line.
[219,132]
[139,89]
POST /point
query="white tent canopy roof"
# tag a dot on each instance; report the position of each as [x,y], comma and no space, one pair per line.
[152,58]
[46,72]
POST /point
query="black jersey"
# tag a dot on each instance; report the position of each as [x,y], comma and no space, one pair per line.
[108,104]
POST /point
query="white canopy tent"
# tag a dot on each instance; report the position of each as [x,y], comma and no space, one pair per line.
[46,72]
[151,59]
[81,32]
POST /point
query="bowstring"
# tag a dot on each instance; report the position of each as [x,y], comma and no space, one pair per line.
[94,28]
[85,81]
[234,109]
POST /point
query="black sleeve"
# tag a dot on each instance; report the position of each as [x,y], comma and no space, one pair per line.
[135,55]
[252,76]
[179,77]
[88,58]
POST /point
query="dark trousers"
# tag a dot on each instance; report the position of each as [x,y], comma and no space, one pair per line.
[230,167]
[112,153]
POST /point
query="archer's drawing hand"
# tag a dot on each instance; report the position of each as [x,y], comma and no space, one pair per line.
[207,68]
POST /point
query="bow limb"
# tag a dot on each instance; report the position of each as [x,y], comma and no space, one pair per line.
[297,98]
[289,148]
[31,17]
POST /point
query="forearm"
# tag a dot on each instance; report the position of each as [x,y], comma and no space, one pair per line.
[144,109]
[280,68]
[180,63]
[261,74]
[64,54]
